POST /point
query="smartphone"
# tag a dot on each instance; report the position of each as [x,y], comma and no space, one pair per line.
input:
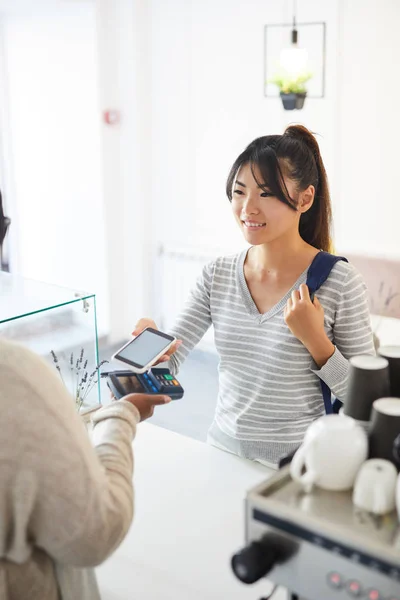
[140,353]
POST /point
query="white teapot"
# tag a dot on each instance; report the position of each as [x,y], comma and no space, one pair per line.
[334,449]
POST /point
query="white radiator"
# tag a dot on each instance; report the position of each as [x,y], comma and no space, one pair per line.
[178,269]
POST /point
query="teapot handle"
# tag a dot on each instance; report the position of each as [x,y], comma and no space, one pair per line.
[307,479]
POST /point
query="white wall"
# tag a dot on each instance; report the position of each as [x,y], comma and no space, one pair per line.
[208,104]
[89,180]
[127,177]
[368,127]
[50,57]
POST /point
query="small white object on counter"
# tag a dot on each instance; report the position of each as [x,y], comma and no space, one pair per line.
[189,520]
[375,486]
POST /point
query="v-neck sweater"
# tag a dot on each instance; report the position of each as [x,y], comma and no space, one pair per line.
[269,386]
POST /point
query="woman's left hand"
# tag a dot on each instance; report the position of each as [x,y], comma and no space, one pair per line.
[305,320]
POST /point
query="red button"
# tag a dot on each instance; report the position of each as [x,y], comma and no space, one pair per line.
[374,595]
[354,588]
[335,580]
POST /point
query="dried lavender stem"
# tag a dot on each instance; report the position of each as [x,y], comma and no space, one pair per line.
[90,383]
[78,369]
[71,363]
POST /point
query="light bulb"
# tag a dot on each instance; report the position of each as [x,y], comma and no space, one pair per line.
[294,60]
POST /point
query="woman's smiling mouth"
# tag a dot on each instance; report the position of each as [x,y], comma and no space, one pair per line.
[253,225]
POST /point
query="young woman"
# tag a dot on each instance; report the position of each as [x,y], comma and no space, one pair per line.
[274,343]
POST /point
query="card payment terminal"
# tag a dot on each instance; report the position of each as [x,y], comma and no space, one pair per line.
[157,380]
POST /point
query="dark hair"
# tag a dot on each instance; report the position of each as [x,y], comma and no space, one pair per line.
[3,225]
[296,154]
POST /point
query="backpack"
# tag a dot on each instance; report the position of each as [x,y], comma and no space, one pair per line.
[318,273]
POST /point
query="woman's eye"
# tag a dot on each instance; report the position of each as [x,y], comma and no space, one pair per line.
[238,192]
[266,195]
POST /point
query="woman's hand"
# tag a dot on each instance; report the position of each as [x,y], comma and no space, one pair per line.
[145,403]
[145,322]
[305,320]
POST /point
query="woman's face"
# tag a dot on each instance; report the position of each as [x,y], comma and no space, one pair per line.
[261,216]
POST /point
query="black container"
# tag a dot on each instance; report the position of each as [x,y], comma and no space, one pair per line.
[300,98]
[385,430]
[392,355]
[396,450]
[368,381]
[288,101]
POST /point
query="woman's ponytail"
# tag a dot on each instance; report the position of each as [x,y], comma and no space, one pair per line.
[307,168]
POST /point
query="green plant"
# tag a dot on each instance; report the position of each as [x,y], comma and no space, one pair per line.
[288,84]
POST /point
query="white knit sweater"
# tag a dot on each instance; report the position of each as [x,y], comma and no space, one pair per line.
[64,506]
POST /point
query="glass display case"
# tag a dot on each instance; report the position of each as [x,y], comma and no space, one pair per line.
[60,325]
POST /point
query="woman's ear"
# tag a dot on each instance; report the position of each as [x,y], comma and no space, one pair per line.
[306,199]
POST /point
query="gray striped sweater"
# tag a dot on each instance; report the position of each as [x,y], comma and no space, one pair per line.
[269,385]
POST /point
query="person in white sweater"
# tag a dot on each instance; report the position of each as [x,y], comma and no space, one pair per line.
[65,504]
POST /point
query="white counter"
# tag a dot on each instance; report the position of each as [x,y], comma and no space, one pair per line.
[189,519]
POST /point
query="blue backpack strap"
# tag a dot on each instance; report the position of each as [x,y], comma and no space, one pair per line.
[327,396]
[320,270]
[317,274]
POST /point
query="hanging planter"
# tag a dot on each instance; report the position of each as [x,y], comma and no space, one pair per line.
[300,99]
[292,90]
[293,101]
[288,101]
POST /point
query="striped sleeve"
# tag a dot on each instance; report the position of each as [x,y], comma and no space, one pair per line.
[352,333]
[195,318]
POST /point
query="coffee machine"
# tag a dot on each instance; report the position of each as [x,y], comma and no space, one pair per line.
[318,545]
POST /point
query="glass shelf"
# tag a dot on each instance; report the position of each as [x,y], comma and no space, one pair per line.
[60,325]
